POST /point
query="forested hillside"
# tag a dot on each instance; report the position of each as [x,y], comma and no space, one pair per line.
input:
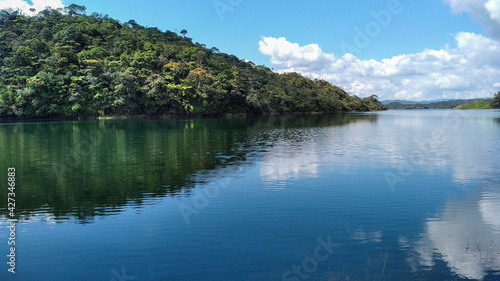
[483,104]
[68,64]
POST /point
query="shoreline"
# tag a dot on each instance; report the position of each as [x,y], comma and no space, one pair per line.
[168,116]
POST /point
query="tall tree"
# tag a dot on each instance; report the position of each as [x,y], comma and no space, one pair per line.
[76,10]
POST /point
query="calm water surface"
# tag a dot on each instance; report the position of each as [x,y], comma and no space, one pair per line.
[397,195]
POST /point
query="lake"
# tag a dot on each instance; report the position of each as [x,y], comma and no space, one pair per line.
[395,195]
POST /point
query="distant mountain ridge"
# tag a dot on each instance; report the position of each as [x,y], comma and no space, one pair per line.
[438,104]
[386,102]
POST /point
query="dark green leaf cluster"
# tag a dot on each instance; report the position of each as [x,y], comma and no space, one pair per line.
[67,64]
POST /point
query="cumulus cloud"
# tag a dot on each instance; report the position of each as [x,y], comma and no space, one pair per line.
[485,12]
[28,9]
[471,70]
[287,55]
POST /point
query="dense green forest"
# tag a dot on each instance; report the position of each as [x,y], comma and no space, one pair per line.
[483,104]
[64,63]
[434,105]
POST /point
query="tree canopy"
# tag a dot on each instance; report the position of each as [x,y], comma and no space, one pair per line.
[64,63]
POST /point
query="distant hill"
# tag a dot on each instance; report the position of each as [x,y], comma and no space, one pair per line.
[482,104]
[64,63]
[386,102]
[448,104]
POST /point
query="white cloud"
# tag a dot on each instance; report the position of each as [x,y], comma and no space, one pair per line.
[25,7]
[486,12]
[470,70]
[289,54]
[493,7]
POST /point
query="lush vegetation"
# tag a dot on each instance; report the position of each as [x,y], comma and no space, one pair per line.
[68,64]
[483,104]
[435,105]
[495,102]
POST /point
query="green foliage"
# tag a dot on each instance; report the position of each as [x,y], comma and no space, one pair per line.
[68,64]
[74,10]
[482,104]
[495,103]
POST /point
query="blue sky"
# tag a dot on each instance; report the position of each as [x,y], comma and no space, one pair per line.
[236,26]
[407,49]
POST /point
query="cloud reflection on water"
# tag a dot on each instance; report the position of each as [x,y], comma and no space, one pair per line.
[465,235]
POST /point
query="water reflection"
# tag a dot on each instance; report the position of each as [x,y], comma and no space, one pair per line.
[435,142]
[300,154]
[288,180]
[291,159]
[94,168]
[465,235]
